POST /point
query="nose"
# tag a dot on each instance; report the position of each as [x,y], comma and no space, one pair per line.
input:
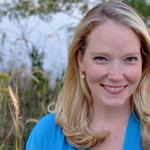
[116,72]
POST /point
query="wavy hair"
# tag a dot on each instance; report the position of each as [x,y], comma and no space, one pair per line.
[74,105]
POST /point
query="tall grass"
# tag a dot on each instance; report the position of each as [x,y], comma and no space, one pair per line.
[24,98]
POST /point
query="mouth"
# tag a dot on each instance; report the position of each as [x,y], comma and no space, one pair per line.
[114,89]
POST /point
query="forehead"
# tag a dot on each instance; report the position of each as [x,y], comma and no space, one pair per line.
[112,35]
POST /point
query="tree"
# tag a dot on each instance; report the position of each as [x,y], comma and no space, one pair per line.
[42,8]
[142,7]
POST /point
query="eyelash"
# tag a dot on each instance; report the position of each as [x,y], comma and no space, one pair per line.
[102,59]
[131,59]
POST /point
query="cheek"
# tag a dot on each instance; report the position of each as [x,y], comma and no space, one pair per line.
[94,72]
[134,74]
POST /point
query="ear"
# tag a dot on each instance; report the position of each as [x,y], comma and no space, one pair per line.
[80,61]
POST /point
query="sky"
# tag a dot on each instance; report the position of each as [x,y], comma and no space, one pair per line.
[51,37]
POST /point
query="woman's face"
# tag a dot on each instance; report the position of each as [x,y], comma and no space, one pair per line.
[112,64]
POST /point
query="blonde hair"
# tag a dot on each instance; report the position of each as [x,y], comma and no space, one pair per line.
[73,107]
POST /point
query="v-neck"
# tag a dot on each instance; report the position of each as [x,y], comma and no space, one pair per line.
[133,138]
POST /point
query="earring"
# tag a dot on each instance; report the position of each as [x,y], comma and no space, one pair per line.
[83,76]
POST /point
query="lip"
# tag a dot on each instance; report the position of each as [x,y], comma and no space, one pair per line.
[114,89]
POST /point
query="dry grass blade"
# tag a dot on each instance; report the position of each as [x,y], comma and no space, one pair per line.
[15,103]
[15,117]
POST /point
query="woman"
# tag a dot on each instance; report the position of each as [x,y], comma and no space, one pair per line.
[104,103]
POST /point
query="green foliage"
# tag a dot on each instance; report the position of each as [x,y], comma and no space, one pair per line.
[36,58]
[43,8]
[142,7]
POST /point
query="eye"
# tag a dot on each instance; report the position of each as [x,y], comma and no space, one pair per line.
[131,59]
[100,59]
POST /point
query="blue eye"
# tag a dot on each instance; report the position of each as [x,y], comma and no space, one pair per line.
[131,59]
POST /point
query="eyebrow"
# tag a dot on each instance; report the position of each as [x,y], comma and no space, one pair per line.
[99,53]
[105,53]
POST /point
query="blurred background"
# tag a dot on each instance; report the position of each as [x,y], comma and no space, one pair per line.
[34,40]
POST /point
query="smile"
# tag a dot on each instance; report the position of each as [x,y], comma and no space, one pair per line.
[114,89]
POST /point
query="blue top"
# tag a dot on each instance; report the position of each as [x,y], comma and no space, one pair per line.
[48,135]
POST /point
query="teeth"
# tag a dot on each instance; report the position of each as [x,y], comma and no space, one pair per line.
[114,90]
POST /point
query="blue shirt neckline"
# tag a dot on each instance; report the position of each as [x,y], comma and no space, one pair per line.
[133,133]
[133,122]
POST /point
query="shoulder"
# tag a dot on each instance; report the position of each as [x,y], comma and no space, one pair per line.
[45,125]
[46,122]
[43,133]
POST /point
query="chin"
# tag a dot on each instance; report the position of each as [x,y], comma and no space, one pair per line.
[116,102]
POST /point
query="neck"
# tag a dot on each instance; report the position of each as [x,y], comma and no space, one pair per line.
[110,115]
